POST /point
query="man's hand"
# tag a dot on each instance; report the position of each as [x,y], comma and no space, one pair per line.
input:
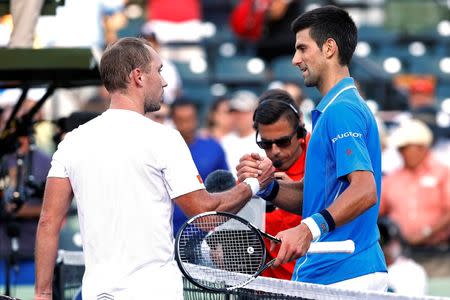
[295,243]
[253,165]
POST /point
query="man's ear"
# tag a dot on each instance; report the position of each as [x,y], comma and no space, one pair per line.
[329,48]
[136,76]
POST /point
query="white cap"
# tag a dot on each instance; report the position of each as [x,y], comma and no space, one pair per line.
[411,132]
[244,101]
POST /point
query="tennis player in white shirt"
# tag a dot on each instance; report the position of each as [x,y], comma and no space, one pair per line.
[124,171]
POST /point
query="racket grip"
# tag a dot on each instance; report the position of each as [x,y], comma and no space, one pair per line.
[347,246]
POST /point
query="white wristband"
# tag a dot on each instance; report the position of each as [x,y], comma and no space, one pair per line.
[253,183]
[313,227]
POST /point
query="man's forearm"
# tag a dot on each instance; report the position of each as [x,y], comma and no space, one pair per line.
[290,196]
[356,199]
[46,251]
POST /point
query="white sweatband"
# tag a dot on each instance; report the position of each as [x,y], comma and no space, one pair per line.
[253,183]
[313,227]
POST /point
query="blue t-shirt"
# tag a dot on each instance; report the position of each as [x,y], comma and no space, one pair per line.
[344,139]
[208,156]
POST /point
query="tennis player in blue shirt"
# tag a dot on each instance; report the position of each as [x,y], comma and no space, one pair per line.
[339,197]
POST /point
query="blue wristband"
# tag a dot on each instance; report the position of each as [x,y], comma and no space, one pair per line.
[321,222]
[329,219]
[269,192]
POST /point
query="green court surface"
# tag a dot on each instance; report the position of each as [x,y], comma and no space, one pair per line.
[439,286]
[23,292]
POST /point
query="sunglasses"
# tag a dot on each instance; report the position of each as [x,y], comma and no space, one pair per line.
[282,142]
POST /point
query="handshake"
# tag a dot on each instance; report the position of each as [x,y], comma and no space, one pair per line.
[258,172]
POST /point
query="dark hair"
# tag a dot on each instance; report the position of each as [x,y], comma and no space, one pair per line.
[273,104]
[181,102]
[330,22]
[122,57]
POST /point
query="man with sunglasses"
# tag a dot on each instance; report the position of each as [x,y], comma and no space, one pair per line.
[280,134]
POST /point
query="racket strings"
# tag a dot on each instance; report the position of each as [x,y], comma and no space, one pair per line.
[221,247]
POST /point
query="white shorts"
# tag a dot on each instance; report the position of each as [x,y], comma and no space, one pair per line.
[377,282]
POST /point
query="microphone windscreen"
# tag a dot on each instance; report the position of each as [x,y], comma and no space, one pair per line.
[219,181]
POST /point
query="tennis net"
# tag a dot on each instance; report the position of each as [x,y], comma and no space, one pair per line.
[70,268]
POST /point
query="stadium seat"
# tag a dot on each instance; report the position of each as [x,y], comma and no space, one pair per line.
[388,66]
[431,65]
[401,51]
[442,92]
[442,48]
[367,69]
[257,89]
[201,95]
[240,70]
[196,71]
[283,70]
[376,35]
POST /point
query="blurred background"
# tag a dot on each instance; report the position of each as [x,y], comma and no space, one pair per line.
[212,51]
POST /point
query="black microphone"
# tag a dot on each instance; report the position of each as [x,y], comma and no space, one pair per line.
[219,181]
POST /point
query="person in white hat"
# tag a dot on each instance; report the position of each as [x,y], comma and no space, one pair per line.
[242,139]
[417,196]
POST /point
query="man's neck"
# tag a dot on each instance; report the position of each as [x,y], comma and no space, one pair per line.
[127,102]
[335,76]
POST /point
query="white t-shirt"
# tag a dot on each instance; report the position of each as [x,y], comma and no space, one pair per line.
[407,277]
[124,170]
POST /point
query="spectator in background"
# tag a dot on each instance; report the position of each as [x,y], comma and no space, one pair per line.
[80,23]
[417,196]
[99,102]
[405,276]
[20,205]
[169,71]
[421,93]
[206,152]
[298,95]
[219,122]
[422,102]
[67,124]
[295,91]
[276,39]
[25,15]
[161,116]
[242,138]
[283,138]
[176,22]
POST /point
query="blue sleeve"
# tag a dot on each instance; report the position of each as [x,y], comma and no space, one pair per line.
[347,132]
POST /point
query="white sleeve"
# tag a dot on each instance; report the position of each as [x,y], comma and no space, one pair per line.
[179,171]
[59,161]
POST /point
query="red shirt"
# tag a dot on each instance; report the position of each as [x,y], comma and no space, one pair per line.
[174,10]
[279,220]
[418,198]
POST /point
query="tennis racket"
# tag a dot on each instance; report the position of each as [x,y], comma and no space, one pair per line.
[220,252]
